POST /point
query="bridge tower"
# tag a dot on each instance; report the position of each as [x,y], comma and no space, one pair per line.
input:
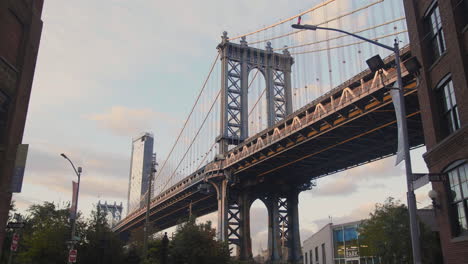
[235,196]
[112,212]
[237,60]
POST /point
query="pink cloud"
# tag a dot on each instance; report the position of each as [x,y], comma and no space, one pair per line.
[125,121]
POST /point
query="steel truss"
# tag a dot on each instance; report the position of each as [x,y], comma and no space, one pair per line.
[237,61]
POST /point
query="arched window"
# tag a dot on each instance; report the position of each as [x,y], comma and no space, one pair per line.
[458,183]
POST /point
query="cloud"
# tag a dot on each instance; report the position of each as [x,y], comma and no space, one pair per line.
[94,186]
[44,158]
[104,174]
[341,186]
[351,181]
[124,121]
[23,202]
[359,213]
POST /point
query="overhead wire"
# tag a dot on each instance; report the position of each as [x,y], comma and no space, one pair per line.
[321,23]
[286,20]
[350,44]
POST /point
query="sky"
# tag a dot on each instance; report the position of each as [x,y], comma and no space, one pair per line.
[110,69]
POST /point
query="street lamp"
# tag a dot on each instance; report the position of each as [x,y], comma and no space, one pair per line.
[78,173]
[400,103]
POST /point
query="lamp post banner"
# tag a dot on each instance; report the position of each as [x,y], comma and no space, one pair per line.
[394,91]
[74,198]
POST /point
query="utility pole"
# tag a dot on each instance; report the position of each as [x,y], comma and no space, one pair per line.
[148,203]
[74,214]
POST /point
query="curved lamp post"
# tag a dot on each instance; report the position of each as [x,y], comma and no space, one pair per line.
[411,199]
[78,173]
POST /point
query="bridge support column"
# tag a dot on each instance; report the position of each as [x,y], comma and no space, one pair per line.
[271,204]
[245,241]
[222,196]
[284,241]
[294,239]
[234,218]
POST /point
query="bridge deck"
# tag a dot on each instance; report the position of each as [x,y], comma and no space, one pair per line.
[351,125]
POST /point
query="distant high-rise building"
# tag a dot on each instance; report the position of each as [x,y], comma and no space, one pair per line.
[113,212]
[140,169]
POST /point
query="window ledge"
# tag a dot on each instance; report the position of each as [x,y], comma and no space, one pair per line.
[438,150]
[461,238]
[434,64]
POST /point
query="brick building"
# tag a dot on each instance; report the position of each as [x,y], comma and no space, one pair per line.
[20,32]
[438,33]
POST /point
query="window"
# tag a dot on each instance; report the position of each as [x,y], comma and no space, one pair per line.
[436,33]
[458,178]
[316,254]
[351,241]
[449,105]
[324,256]
[338,240]
[306,259]
[311,259]
[464,9]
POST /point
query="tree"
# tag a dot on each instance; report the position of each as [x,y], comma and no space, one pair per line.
[196,244]
[9,234]
[387,235]
[44,236]
[100,244]
[47,230]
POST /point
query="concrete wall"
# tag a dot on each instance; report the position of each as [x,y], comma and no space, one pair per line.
[323,236]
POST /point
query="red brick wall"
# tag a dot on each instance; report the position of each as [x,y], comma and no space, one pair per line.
[19,46]
[11,31]
[443,149]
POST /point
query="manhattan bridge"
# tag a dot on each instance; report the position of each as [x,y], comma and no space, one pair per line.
[278,109]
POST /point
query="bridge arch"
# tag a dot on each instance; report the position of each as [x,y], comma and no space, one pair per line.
[259,225]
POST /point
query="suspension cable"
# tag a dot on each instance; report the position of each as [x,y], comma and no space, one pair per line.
[189,116]
[350,44]
[343,36]
[321,23]
[286,20]
[203,160]
[193,140]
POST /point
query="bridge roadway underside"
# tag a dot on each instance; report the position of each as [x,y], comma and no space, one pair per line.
[358,140]
[366,138]
[173,212]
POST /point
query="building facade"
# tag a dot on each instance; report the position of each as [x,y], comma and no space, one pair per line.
[337,244]
[140,170]
[438,31]
[20,33]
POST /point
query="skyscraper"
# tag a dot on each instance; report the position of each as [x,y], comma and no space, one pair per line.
[140,169]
